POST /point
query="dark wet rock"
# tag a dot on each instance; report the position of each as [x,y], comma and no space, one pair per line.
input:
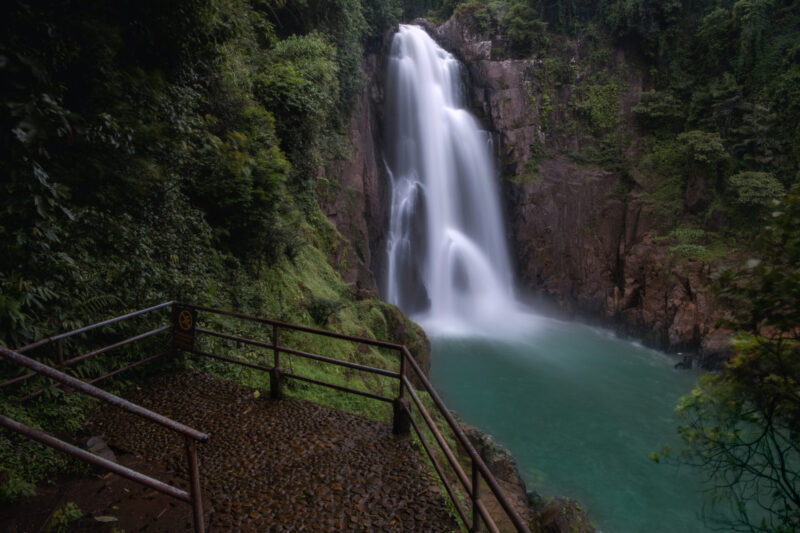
[561,515]
[98,446]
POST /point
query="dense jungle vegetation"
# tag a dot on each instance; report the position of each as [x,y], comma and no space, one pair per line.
[717,130]
[160,150]
[169,150]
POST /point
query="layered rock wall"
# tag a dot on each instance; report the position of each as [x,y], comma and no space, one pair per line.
[584,236]
[354,194]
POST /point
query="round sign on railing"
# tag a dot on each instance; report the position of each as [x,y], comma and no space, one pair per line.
[185,320]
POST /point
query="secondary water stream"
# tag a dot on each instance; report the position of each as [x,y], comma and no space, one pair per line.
[580,410]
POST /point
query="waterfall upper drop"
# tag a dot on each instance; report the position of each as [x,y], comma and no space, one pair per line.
[448,262]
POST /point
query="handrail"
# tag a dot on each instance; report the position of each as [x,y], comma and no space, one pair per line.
[91,390]
[402,408]
[119,344]
[465,442]
[296,327]
[479,468]
[60,336]
[64,363]
[290,351]
[191,435]
[96,460]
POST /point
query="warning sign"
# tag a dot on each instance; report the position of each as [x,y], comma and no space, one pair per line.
[183,331]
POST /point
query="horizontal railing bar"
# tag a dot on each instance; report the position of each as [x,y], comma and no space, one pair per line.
[439,471]
[286,325]
[132,365]
[487,519]
[118,344]
[91,390]
[294,376]
[18,379]
[65,379]
[299,353]
[244,340]
[95,380]
[490,481]
[90,354]
[230,360]
[96,460]
[48,340]
[339,387]
[356,366]
[462,476]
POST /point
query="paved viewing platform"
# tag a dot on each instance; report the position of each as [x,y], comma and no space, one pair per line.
[287,465]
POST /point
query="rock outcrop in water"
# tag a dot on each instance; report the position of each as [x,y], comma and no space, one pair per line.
[551,515]
[583,236]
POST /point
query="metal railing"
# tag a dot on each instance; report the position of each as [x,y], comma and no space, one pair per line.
[403,414]
[60,338]
[410,374]
[192,436]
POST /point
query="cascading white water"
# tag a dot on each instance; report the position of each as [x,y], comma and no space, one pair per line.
[599,406]
[448,263]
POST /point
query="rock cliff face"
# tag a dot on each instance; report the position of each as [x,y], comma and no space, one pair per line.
[584,236]
[354,194]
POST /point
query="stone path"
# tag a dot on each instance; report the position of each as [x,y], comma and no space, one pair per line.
[281,466]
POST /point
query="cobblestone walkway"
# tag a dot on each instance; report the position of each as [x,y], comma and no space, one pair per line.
[282,466]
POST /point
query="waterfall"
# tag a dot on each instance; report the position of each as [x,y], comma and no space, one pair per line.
[601,404]
[448,262]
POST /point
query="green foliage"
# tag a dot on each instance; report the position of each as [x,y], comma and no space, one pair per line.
[755,190]
[486,17]
[63,517]
[321,309]
[659,111]
[702,148]
[650,22]
[24,462]
[300,87]
[689,243]
[600,105]
[768,289]
[527,33]
[741,424]
[160,151]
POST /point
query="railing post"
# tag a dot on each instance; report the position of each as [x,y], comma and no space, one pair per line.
[276,352]
[60,348]
[276,374]
[401,408]
[194,485]
[402,374]
[401,420]
[476,484]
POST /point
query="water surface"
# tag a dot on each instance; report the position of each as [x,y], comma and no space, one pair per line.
[581,411]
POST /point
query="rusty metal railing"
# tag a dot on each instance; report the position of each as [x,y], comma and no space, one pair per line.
[409,374]
[63,364]
[403,414]
[192,436]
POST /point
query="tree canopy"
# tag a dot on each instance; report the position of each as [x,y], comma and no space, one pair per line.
[742,424]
